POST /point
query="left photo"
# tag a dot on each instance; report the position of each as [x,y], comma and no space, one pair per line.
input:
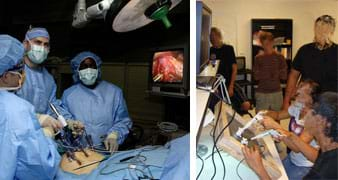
[93,89]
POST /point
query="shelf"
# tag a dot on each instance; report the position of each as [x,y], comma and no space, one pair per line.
[244,71]
[283,45]
[168,94]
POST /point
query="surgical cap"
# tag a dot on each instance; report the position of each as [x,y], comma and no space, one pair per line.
[76,61]
[36,32]
[11,52]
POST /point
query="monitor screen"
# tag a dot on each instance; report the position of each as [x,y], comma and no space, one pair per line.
[168,66]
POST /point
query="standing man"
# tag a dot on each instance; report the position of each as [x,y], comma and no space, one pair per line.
[228,69]
[40,87]
[25,152]
[316,60]
[98,104]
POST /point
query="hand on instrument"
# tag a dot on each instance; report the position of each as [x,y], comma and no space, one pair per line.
[254,160]
[76,127]
[48,121]
[49,132]
[270,123]
[111,143]
[284,135]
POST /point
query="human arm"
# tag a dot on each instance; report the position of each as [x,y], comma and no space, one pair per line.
[232,59]
[300,144]
[256,69]
[233,79]
[254,161]
[290,87]
[36,155]
[122,122]
[295,73]
[278,115]
[283,68]
[58,104]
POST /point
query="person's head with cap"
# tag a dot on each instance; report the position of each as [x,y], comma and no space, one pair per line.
[36,45]
[11,53]
[324,29]
[86,67]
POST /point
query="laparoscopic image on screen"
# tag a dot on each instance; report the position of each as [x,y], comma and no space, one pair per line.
[168,66]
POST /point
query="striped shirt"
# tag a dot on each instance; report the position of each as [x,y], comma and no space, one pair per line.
[268,70]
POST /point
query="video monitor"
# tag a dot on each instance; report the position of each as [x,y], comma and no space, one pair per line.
[168,66]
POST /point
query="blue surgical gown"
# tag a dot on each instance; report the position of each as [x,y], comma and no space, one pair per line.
[177,164]
[39,89]
[25,152]
[102,110]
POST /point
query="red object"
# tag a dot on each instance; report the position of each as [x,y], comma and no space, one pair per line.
[168,66]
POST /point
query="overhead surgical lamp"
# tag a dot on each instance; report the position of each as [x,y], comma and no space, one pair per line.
[124,15]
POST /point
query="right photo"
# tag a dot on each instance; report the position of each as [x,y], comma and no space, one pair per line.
[266,89]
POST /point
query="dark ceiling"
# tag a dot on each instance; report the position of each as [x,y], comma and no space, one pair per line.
[66,41]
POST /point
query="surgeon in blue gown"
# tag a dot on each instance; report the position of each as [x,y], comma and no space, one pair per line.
[97,103]
[40,87]
[25,152]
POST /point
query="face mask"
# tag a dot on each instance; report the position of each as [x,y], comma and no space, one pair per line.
[295,110]
[88,76]
[22,79]
[37,54]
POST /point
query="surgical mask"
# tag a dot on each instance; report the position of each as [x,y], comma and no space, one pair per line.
[21,80]
[37,54]
[295,110]
[88,76]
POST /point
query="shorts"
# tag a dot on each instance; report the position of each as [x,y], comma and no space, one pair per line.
[269,101]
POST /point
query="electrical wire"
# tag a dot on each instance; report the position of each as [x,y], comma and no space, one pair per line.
[167,126]
[219,135]
[214,146]
[200,172]
[238,167]
[137,160]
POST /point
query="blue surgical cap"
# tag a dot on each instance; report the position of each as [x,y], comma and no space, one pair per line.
[11,52]
[76,61]
[36,32]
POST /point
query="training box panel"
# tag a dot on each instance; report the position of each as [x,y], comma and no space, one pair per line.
[232,145]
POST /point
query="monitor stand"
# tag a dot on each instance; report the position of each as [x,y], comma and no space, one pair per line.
[169,91]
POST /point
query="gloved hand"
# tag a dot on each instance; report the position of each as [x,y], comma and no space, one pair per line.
[111,143]
[49,132]
[76,127]
[48,121]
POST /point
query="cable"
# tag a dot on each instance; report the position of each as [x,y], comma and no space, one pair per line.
[167,126]
[199,173]
[219,135]
[213,148]
[238,167]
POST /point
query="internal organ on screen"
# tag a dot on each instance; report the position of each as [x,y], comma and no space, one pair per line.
[168,66]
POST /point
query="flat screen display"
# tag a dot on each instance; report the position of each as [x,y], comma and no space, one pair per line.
[168,66]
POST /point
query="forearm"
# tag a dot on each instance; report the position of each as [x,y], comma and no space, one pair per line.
[306,149]
[291,144]
[122,128]
[290,87]
[263,175]
[122,122]
[283,115]
[233,75]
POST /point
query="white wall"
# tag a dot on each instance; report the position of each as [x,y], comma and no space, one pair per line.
[234,18]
